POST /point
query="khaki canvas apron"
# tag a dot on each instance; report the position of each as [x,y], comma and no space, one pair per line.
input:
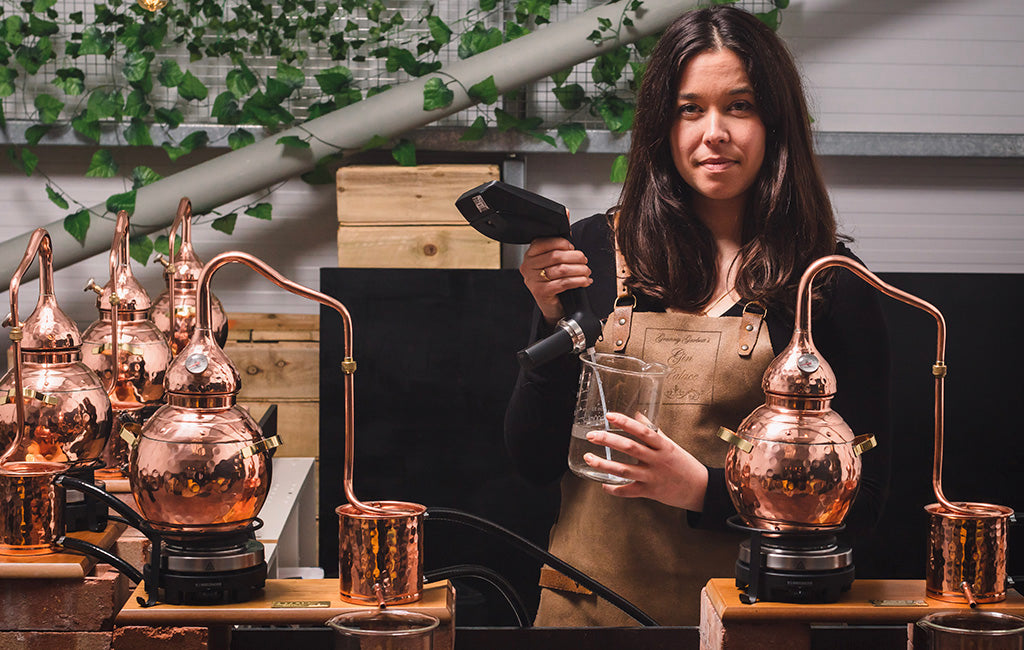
[642,549]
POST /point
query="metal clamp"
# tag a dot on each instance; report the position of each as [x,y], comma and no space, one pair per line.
[576,334]
[864,443]
[30,393]
[348,365]
[261,446]
[729,436]
[130,433]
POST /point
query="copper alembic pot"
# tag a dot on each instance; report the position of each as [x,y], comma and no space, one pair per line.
[794,470]
[64,416]
[136,365]
[174,311]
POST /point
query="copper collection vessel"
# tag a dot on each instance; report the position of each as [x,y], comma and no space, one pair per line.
[136,365]
[174,311]
[795,465]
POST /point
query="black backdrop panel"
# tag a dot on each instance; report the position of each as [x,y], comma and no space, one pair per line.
[436,364]
[436,354]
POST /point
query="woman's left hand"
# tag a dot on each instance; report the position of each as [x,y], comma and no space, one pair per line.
[664,471]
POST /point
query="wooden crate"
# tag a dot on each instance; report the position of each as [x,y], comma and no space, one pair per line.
[278,358]
[405,217]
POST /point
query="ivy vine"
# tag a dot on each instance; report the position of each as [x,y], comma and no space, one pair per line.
[46,50]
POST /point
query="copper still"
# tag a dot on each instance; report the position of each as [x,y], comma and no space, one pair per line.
[141,355]
[174,311]
[794,464]
[67,414]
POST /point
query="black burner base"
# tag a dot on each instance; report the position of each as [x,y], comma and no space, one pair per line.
[87,513]
[209,588]
[795,587]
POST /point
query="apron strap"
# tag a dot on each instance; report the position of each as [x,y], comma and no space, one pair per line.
[750,327]
[625,301]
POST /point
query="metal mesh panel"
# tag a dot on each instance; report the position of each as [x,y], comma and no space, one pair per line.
[536,100]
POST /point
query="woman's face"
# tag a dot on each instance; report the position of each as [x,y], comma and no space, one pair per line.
[718,138]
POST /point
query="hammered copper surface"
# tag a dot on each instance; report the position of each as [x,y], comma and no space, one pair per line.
[967,549]
[178,321]
[801,473]
[188,471]
[64,413]
[31,508]
[381,550]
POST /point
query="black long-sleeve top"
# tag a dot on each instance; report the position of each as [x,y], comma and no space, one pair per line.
[848,330]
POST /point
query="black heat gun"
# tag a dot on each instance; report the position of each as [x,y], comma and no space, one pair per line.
[512,215]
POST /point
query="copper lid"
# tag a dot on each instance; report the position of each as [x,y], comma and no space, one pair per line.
[130,294]
[48,328]
[185,265]
[799,372]
[202,369]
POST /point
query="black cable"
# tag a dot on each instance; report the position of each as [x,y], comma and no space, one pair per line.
[487,575]
[467,519]
[86,548]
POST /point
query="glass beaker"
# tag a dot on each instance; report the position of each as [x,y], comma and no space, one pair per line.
[383,629]
[973,630]
[612,383]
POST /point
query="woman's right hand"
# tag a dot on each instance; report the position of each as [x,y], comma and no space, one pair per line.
[550,266]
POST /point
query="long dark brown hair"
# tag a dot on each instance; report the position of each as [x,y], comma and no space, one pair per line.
[788,220]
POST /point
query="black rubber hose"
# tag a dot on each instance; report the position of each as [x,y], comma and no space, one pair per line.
[487,575]
[86,548]
[467,519]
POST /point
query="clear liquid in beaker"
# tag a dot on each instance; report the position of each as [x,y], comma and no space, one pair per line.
[579,445]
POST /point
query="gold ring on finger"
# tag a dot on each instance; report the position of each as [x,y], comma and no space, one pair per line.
[544,275]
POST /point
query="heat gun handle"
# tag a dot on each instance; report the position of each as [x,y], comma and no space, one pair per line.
[577,331]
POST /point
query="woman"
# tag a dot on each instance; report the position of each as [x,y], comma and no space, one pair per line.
[722,209]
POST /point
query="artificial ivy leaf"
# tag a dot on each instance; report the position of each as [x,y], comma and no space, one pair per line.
[42,5]
[277,91]
[135,104]
[225,109]
[404,153]
[570,97]
[49,108]
[191,88]
[171,117]
[124,201]
[781,4]
[439,31]
[56,198]
[241,81]
[486,91]
[619,167]
[7,77]
[488,5]
[35,133]
[514,30]
[225,224]
[645,45]
[474,131]
[346,97]
[560,77]
[479,39]
[608,67]
[140,248]
[143,176]
[170,74]
[436,94]
[12,33]
[770,18]
[374,142]
[190,143]
[573,135]
[102,165]
[3,118]
[77,225]
[506,121]
[162,245]
[34,57]
[77,17]
[616,113]
[70,80]
[293,141]
[137,134]
[319,175]
[290,75]
[334,79]
[103,105]
[86,126]
[23,159]
[240,138]
[136,66]
[95,42]
[39,27]
[260,211]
